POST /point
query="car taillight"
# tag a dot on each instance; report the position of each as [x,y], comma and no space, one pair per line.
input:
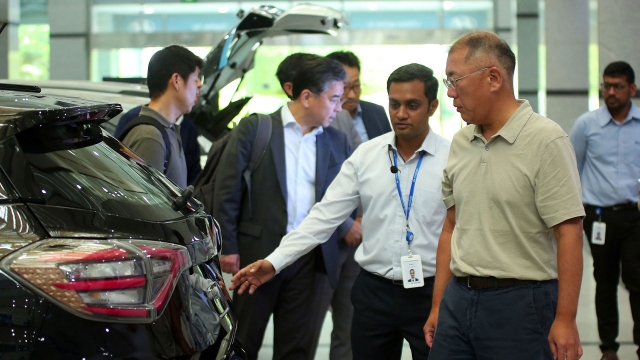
[110,280]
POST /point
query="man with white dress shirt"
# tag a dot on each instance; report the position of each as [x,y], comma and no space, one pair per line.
[397,179]
[303,157]
[337,297]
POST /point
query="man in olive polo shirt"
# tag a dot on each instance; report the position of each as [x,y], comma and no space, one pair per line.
[513,224]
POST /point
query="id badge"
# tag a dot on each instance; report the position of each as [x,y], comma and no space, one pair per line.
[598,232]
[412,271]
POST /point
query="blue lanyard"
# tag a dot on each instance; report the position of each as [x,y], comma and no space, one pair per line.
[407,210]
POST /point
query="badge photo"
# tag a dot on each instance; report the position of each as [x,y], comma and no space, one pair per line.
[412,271]
[598,232]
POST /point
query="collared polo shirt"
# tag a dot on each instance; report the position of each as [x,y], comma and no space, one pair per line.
[509,192]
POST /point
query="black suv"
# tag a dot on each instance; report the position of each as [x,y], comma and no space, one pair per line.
[100,255]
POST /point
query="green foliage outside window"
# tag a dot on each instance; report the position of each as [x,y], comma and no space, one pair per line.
[32,60]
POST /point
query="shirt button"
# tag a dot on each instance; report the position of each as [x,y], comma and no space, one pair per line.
[486,148]
[397,240]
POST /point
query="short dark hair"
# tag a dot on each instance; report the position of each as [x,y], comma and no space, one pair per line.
[166,62]
[407,73]
[620,68]
[316,74]
[346,58]
[484,42]
[290,65]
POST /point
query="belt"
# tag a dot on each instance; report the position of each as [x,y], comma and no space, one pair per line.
[477,282]
[396,282]
[617,207]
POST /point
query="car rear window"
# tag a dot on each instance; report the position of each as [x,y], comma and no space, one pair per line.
[72,166]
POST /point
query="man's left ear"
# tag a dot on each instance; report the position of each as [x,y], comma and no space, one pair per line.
[305,96]
[433,106]
[633,88]
[175,81]
[495,78]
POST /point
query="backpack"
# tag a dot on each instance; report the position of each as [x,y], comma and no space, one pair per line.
[205,182]
[148,120]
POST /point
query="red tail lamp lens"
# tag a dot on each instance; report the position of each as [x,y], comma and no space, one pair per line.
[110,280]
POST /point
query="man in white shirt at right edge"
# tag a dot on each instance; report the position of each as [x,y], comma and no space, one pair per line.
[380,175]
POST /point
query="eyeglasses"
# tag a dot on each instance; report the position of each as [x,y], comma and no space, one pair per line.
[616,87]
[355,87]
[334,101]
[449,82]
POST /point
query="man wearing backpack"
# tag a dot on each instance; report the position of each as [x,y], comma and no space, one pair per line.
[303,157]
[173,78]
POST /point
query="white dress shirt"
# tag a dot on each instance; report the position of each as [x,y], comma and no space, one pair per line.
[365,178]
[359,124]
[300,162]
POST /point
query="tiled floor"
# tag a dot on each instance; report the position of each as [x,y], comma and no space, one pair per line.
[586,324]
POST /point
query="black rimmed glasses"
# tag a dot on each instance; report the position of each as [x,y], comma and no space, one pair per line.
[449,82]
[616,87]
[356,87]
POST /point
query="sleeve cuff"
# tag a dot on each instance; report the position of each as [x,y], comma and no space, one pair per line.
[449,201]
[557,219]
[278,261]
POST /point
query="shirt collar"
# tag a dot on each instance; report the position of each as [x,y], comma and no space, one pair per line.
[604,116]
[358,112]
[513,126]
[288,120]
[428,145]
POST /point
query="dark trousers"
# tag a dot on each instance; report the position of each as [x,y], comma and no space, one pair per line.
[495,324]
[341,308]
[288,296]
[619,254]
[384,314]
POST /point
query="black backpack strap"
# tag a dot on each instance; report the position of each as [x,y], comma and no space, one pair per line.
[148,120]
[263,137]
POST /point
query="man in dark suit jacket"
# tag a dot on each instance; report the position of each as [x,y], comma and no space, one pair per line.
[370,119]
[303,157]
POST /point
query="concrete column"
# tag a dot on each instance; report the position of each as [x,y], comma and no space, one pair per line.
[617,35]
[69,39]
[527,19]
[9,43]
[567,43]
[504,21]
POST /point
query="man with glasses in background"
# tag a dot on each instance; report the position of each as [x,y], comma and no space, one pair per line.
[607,145]
[509,262]
[303,157]
[370,119]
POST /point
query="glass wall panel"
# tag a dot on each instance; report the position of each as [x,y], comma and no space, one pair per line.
[384,34]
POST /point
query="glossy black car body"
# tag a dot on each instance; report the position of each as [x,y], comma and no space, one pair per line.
[68,192]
